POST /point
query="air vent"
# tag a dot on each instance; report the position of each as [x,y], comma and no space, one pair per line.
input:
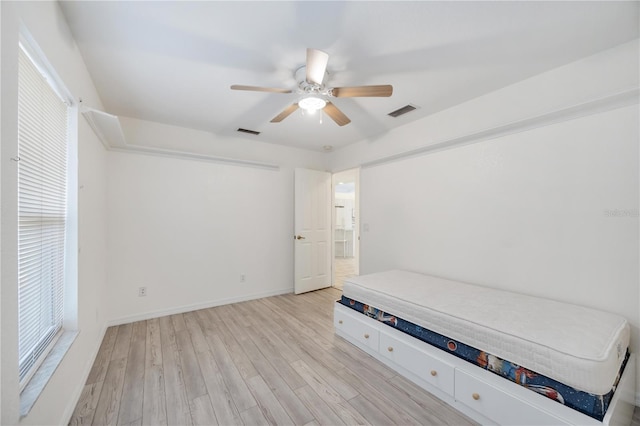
[401,111]
[251,132]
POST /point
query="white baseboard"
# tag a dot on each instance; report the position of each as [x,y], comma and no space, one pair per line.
[75,396]
[196,306]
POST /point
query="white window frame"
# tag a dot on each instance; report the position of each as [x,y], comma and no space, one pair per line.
[70,288]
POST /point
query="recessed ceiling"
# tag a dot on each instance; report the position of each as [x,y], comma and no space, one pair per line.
[173,62]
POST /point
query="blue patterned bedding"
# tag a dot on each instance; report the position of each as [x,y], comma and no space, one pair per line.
[592,405]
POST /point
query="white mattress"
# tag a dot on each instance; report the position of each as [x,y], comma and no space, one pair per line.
[580,347]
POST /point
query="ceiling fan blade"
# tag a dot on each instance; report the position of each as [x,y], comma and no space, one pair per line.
[284,114]
[316,65]
[259,89]
[382,91]
[336,115]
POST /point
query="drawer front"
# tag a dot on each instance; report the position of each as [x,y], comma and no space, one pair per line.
[358,329]
[432,370]
[497,404]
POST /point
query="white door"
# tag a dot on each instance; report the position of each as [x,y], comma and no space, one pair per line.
[312,239]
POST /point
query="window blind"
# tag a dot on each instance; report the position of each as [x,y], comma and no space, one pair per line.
[42,209]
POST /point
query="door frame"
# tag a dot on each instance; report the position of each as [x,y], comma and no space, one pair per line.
[335,179]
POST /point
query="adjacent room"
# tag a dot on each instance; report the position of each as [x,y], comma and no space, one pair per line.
[200,197]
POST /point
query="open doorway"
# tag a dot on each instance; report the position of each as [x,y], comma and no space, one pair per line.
[346,221]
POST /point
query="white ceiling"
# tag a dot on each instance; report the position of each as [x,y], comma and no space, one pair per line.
[173,62]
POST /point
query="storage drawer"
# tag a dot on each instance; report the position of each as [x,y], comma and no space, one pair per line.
[428,368]
[497,404]
[357,328]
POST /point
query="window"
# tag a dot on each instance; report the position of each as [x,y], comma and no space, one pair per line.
[42,214]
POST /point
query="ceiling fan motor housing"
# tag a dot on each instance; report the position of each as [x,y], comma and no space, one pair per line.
[307,88]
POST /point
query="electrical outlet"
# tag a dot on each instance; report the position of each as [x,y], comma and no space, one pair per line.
[142,291]
[242,278]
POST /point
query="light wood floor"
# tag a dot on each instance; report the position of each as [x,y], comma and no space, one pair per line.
[268,361]
[345,267]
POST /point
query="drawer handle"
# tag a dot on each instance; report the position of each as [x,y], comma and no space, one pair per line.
[366,336]
[390,348]
[339,321]
[434,373]
[475,396]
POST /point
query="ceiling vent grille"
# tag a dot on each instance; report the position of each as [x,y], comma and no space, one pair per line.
[251,132]
[401,111]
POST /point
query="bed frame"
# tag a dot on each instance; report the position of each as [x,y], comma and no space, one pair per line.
[480,394]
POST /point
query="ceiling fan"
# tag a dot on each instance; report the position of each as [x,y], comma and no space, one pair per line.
[314,93]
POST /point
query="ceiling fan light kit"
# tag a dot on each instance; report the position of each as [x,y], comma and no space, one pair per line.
[312,103]
[310,79]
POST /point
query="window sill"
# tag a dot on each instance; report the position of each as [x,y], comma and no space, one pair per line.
[34,388]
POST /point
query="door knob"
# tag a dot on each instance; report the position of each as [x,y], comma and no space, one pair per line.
[299,237]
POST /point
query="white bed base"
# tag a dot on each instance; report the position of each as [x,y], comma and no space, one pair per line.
[480,394]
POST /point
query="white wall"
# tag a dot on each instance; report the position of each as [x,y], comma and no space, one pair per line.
[142,133]
[45,23]
[526,212]
[188,229]
[550,210]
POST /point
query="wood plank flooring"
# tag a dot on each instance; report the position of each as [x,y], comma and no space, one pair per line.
[345,267]
[268,361]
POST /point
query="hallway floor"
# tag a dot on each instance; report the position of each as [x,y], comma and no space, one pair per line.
[345,267]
